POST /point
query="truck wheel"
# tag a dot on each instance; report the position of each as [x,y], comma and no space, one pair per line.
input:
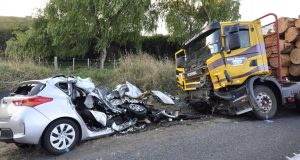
[61,136]
[267,102]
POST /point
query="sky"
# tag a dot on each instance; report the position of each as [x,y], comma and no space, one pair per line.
[249,9]
[252,9]
[20,8]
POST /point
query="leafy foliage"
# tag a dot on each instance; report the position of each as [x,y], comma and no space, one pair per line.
[159,46]
[185,17]
[8,25]
[75,25]
[71,28]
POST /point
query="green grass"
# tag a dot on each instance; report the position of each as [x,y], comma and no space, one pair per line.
[141,69]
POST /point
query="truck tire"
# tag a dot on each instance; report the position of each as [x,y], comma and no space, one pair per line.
[267,102]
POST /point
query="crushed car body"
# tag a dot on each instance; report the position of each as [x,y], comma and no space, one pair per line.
[60,111]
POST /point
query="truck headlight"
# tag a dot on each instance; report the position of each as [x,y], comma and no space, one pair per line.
[181,75]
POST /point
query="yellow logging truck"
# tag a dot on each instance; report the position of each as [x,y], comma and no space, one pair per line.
[226,65]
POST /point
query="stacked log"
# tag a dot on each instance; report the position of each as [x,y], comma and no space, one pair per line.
[289,47]
[284,23]
[292,34]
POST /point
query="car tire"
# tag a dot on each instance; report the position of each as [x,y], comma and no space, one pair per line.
[267,101]
[138,110]
[61,136]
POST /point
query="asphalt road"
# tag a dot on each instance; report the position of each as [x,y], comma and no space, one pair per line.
[238,138]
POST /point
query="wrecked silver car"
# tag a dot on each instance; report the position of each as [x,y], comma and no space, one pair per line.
[60,111]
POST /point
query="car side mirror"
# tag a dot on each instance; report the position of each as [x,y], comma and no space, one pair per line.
[180,62]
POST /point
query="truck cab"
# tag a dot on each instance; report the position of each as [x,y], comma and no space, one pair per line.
[226,65]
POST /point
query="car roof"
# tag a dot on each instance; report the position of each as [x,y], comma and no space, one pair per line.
[47,80]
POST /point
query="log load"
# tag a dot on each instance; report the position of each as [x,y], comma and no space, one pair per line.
[298,43]
[289,47]
[295,56]
[284,48]
[294,70]
[285,61]
[292,34]
[284,72]
[297,22]
[270,39]
[284,23]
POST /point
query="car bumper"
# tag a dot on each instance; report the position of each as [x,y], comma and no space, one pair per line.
[25,125]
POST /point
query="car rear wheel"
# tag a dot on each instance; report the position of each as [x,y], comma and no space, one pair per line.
[61,136]
[267,102]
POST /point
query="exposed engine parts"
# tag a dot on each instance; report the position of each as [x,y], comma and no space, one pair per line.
[120,108]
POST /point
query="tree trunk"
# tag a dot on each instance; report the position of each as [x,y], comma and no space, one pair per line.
[294,70]
[292,34]
[285,61]
[295,56]
[103,58]
[284,23]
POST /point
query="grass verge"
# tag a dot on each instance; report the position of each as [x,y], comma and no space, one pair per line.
[141,69]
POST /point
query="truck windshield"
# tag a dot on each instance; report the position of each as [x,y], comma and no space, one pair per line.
[206,44]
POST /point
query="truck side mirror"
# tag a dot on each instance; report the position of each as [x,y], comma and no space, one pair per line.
[180,62]
[232,41]
[233,29]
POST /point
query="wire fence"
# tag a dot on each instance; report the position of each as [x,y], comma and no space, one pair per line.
[76,63]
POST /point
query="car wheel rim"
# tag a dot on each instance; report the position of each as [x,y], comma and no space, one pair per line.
[62,136]
[264,101]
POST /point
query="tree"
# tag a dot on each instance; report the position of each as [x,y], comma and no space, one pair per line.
[30,43]
[185,17]
[75,25]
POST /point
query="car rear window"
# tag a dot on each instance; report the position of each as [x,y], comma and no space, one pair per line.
[30,89]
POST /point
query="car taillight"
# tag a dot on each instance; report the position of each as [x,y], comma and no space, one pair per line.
[32,101]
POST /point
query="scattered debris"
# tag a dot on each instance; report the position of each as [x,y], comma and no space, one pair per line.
[267,121]
[126,99]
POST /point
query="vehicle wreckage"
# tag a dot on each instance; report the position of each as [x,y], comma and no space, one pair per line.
[60,111]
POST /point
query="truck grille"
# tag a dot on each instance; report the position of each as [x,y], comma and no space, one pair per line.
[197,79]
